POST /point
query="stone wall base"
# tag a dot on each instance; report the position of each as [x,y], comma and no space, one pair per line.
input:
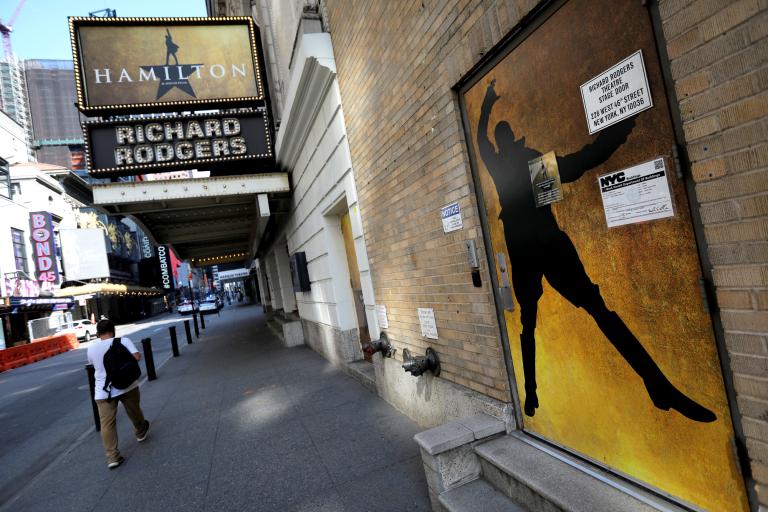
[431,401]
[337,346]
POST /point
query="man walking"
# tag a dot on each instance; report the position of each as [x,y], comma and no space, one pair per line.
[107,399]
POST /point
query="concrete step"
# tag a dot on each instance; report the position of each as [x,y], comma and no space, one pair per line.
[476,496]
[363,372]
[542,479]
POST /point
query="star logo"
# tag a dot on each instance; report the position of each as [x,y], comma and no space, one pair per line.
[176,75]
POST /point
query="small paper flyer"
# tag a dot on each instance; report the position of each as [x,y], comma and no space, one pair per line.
[545,179]
[427,322]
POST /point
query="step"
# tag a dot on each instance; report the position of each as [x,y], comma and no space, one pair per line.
[363,372]
[541,478]
[475,496]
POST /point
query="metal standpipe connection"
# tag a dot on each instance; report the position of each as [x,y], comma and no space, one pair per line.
[380,345]
[417,365]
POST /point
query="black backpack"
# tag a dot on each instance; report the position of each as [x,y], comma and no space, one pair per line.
[122,368]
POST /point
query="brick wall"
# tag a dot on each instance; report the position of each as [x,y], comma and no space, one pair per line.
[409,158]
[719,59]
[397,61]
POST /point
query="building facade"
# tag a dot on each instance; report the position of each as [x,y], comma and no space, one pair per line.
[13,98]
[54,118]
[566,200]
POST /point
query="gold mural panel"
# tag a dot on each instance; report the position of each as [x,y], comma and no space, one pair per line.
[613,352]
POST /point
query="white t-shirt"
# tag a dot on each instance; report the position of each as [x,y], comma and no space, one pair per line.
[96,352]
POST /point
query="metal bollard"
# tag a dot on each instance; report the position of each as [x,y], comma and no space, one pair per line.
[91,371]
[202,320]
[174,342]
[197,329]
[146,343]
[187,332]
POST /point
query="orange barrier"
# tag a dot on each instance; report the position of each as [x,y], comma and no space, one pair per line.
[42,348]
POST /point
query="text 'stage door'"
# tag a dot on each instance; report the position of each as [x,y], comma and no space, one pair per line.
[613,352]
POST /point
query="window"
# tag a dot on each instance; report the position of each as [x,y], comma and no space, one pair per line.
[5,180]
[19,250]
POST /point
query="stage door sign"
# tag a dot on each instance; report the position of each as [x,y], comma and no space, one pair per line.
[613,351]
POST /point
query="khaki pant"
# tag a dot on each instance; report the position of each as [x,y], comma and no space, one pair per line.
[108,417]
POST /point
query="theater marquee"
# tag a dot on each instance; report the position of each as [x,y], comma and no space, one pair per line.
[160,144]
[143,64]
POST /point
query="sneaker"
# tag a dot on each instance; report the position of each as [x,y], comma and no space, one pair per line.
[113,465]
[143,436]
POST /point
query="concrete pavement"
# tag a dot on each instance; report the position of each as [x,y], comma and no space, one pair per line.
[241,423]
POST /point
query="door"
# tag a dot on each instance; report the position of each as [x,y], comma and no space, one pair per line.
[613,351]
[354,281]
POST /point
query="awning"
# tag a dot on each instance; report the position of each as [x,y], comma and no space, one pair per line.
[206,220]
[107,289]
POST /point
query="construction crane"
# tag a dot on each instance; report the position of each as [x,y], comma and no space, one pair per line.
[7,27]
[103,13]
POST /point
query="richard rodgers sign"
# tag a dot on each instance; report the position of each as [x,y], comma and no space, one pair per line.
[140,146]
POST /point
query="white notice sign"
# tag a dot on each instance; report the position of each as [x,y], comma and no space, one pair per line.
[451,216]
[617,93]
[427,321]
[381,314]
[636,194]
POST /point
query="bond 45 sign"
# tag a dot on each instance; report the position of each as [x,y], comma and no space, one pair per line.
[142,64]
[44,249]
[139,146]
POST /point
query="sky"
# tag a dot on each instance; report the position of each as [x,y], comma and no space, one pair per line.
[41,30]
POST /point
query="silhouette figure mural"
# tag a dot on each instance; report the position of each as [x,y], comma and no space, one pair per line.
[170,48]
[539,249]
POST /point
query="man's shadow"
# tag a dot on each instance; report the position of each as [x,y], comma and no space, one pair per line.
[538,249]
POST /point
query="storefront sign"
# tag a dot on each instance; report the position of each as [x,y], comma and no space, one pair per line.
[16,286]
[44,248]
[619,92]
[451,215]
[146,247]
[164,261]
[142,64]
[427,323]
[636,194]
[84,253]
[139,146]
[43,303]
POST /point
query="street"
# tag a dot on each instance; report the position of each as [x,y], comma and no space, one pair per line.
[44,406]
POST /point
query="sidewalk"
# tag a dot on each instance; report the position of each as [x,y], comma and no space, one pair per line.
[241,423]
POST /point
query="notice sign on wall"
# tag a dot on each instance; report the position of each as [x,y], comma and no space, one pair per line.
[451,216]
[617,93]
[636,194]
[427,322]
[381,315]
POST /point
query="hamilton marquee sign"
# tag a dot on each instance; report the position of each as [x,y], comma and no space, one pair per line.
[160,144]
[155,64]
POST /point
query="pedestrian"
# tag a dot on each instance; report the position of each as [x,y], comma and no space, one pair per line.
[107,396]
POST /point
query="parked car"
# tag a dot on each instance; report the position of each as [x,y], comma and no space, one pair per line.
[186,307]
[83,329]
[208,306]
